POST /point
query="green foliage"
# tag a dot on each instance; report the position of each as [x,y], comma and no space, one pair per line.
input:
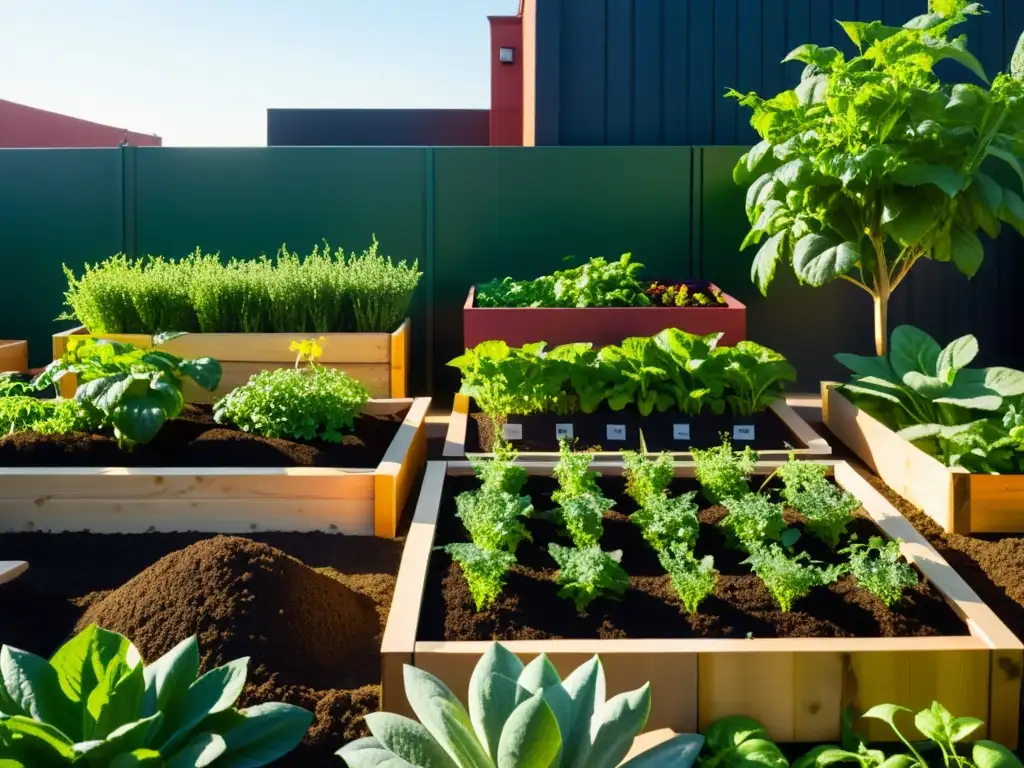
[583,515]
[674,370]
[522,716]
[694,580]
[484,569]
[827,509]
[598,283]
[872,163]
[132,391]
[328,291]
[311,403]
[724,473]
[500,473]
[23,413]
[880,568]
[494,519]
[646,478]
[962,416]
[799,475]
[682,295]
[95,705]
[740,742]
[753,521]
[669,522]
[789,578]
[573,474]
[588,573]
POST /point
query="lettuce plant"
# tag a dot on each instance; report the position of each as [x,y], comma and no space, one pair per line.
[694,580]
[724,473]
[753,520]
[668,521]
[754,375]
[500,473]
[504,381]
[798,476]
[880,569]
[873,163]
[94,704]
[484,569]
[583,515]
[494,519]
[827,509]
[519,715]
[740,742]
[646,477]
[573,474]
[789,578]
[588,573]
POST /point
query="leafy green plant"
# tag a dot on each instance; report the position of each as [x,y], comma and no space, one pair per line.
[132,391]
[753,520]
[669,521]
[588,573]
[311,403]
[500,473]
[872,163]
[645,477]
[94,704]
[636,373]
[740,742]
[697,372]
[582,515]
[789,578]
[522,716]
[798,475]
[755,376]
[573,473]
[879,568]
[724,473]
[494,519]
[827,509]
[23,413]
[694,580]
[484,569]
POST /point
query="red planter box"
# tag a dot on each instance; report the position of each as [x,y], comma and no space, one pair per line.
[599,325]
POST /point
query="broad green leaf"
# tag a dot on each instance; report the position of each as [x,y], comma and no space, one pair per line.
[49,737]
[1012,210]
[214,692]
[406,739]
[813,90]
[866,366]
[749,166]
[818,260]
[586,689]
[128,737]
[918,173]
[116,700]
[1017,61]
[886,713]
[813,54]
[34,687]
[267,732]
[967,250]
[907,216]
[1009,158]
[930,726]
[678,752]
[989,754]
[1007,382]
[958,354]
[955,50]
[899,761]
[864,34]
[82,661]
[911,349]
[540,673]
[200,752]
[530,738]
[615,726]
[140,758]
[962,727]
[169,677]
[370,753]
[494,694]
[924,21]
[762,271]
[444,716]
[795,173]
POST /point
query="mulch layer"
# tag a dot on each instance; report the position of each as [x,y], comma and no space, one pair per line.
[308,609]
[530,608]
[196,440]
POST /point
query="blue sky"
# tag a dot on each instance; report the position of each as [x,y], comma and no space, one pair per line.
[204,72]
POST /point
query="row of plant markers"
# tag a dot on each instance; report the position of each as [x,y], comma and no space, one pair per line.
[494,515]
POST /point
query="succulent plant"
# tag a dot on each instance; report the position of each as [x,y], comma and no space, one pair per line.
[520,716]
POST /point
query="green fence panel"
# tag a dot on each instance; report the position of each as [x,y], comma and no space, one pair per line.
[56,206]
[521,211]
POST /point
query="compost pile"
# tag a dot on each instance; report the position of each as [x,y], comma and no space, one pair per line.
[300,628]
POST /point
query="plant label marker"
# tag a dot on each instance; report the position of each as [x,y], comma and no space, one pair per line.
[513,431]
[563,432]
[616,432]
[680,431]
[743,432]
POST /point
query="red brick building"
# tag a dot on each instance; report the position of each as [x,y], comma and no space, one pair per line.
[23,126]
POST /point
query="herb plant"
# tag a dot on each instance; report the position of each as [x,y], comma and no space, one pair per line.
[131,391]
[879,568]
[645,477]
[573,474]
[94,703]
[310,403]
[724,473]
[738,741]
[668,521]
[484,569]
[753,520]
[583,515]
[588,573]
[694,580]
[798,476]
[789,578]
[23,413]
[872,163]
[828,510]
[494,519]
[500,473]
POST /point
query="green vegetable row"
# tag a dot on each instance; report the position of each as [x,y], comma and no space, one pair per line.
[672,371]
[327,291]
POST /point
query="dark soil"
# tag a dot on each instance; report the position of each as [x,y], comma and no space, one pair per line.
[196,440]
[311,620]
[590,431]
[529,607]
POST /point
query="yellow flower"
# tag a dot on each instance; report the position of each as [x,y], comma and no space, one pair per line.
[308,350]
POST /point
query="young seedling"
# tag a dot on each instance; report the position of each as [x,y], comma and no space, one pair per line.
[693,579]
[500,473]
[885,575]
[484,569]
[797,476]
[827,508]
[582,517]
[589,573]
[646,478]
[789,578]
[753,520]
[669,521]
[573,474]
[724,473]
[494,519]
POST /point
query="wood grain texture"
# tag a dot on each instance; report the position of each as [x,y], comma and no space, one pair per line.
[13,355]
[398,469]
[398,359]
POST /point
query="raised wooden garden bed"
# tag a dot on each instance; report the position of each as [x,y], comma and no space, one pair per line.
[13,355]
[797,686]
[379,360]
[959,501]
[537,436]
[223,499]
[599,325]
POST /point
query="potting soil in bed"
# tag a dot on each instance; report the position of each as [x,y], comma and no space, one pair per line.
[196,440]
[530,608]
[312,635]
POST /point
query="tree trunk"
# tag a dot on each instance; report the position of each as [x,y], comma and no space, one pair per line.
[881,324]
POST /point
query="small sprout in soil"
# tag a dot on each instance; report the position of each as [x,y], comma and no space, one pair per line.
[827,508]
[500,473]
[789,578]
[494,519]
[885,576]
[589,573]
[646,478]
[667,522]
[484,570]
[724,473]
[573,474]
[582,517]
[799,476]
[753,520]
[693,579]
